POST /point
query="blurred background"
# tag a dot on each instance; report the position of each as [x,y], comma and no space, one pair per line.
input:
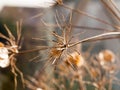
[33,28]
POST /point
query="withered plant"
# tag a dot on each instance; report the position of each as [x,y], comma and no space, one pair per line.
[10,49]
[63,55]
[72,68]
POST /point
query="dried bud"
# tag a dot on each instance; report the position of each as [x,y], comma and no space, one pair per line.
[106,56]
[75,59]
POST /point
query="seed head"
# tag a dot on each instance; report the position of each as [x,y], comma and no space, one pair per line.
[75,59]
[106,56]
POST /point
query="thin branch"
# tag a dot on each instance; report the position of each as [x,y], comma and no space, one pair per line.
[95,37]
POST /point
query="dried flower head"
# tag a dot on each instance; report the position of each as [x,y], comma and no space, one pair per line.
[107,61]
[63,42]
[74,60]
[9,49]
[106,56]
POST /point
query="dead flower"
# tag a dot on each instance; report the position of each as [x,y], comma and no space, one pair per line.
[9,50]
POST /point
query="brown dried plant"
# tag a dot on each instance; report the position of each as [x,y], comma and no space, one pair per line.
[114,10]
[100,75]
[70,63]
[63,44]
[63,52]
[103,70]
[12,46]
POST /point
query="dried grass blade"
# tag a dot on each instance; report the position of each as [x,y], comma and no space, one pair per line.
[9,32]
[19,29]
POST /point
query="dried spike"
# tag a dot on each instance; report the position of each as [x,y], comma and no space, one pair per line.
[9,33]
